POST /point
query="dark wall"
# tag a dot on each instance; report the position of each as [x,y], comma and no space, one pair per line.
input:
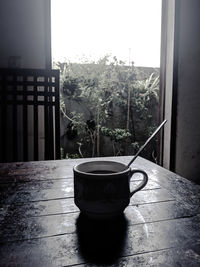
[187,158]
[24,33]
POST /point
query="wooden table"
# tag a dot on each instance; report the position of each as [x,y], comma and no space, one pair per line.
[41,226]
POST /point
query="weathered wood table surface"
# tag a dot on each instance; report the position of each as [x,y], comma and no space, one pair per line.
[41,226]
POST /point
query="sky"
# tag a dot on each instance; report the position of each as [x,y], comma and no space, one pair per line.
[91,29]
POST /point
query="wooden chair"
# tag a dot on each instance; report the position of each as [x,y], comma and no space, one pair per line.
[29,115]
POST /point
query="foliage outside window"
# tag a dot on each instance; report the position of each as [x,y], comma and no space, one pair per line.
[107,108]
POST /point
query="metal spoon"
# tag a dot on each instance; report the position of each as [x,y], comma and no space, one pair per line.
[148,140]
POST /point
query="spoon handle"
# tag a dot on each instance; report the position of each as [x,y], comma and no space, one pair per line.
[148,140]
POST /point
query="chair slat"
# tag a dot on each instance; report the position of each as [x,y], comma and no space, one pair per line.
[4,120]
[14,121]
[57,119]
[30,88]
[50,110]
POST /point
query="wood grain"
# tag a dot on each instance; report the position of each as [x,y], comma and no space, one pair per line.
[41,226]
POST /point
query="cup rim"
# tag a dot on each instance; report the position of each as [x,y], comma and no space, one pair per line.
[127,169]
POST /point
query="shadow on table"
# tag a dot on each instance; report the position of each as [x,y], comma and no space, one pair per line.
[101,241]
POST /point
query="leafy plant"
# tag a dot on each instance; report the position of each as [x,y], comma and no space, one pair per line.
[117,136]
[107,100]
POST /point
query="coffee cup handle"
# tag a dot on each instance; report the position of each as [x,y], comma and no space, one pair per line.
[142,184]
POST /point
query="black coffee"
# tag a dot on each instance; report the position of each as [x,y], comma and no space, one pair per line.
[102,172]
